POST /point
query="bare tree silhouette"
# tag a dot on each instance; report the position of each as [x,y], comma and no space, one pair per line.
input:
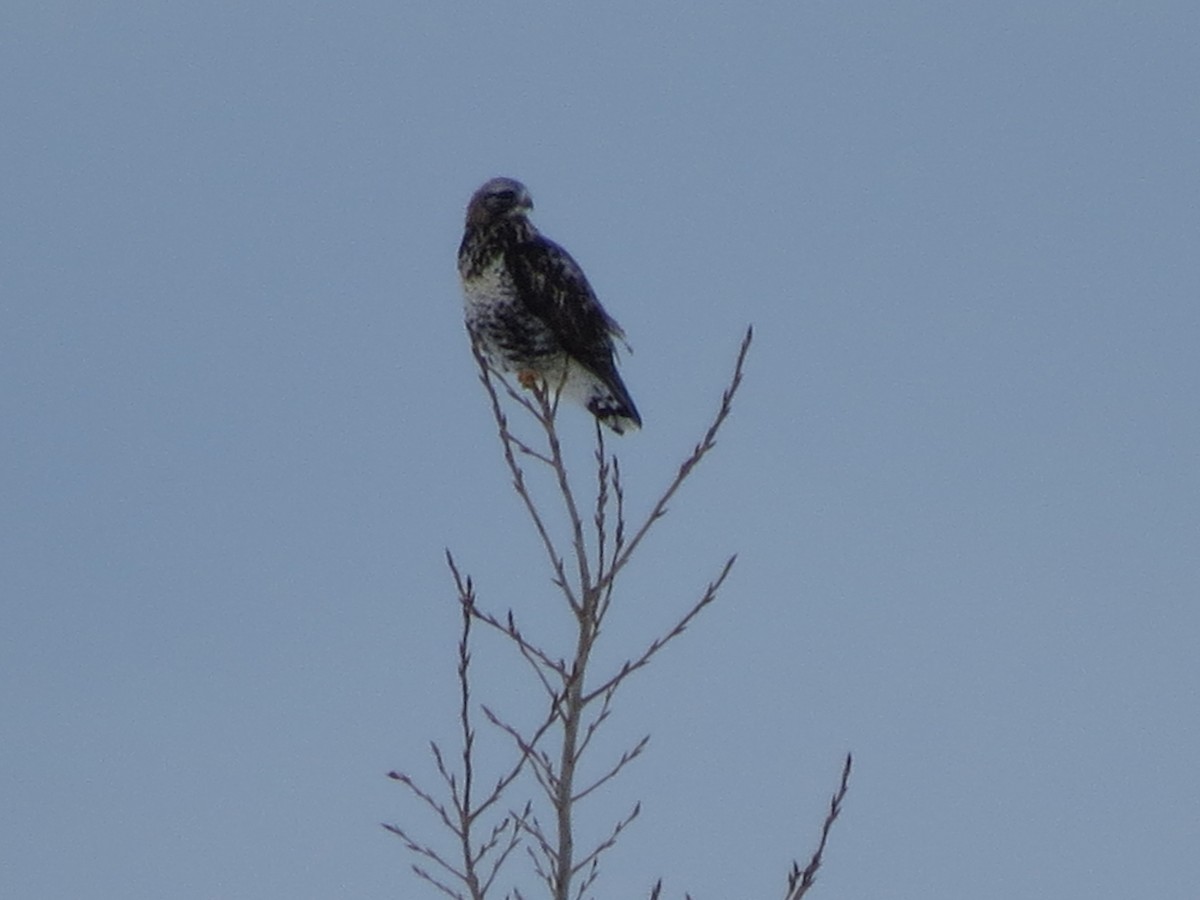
[585,563]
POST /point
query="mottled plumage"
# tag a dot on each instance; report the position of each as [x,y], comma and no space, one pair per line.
[531,309]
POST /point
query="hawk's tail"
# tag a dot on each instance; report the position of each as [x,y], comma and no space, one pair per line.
[611,404]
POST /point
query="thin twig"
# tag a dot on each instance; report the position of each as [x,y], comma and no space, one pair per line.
[609,841]
[800,880]
[601,514]
[631,666]
[568,496]
[424,795]
[701,450]
[507,441]
[594,725]
[626,758]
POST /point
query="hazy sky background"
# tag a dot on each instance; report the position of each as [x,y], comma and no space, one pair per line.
[241,424]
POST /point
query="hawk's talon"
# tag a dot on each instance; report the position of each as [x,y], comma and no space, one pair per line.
[528,378]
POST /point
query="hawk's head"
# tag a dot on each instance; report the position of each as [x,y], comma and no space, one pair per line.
[500,198]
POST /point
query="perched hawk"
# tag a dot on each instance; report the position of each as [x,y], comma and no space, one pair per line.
[532,310]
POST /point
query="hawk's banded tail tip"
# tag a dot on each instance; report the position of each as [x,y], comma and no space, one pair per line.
[614,408]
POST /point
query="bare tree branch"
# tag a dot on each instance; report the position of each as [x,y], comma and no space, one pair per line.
[710,594]
[701,450]
[800,880]
[508,442]
[594,725]
[425,796]
[627,757]
[608,842]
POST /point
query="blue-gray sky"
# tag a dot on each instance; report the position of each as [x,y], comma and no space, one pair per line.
[241,424]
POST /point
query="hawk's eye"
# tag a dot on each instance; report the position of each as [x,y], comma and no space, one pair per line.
[506,196]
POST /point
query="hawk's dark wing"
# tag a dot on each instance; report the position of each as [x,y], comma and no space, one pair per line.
[553,287]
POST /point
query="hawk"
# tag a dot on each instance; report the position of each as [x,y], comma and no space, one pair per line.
[531,310]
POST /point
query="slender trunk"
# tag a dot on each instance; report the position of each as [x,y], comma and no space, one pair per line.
[572,717]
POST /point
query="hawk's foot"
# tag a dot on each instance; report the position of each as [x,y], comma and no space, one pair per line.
[528,378]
